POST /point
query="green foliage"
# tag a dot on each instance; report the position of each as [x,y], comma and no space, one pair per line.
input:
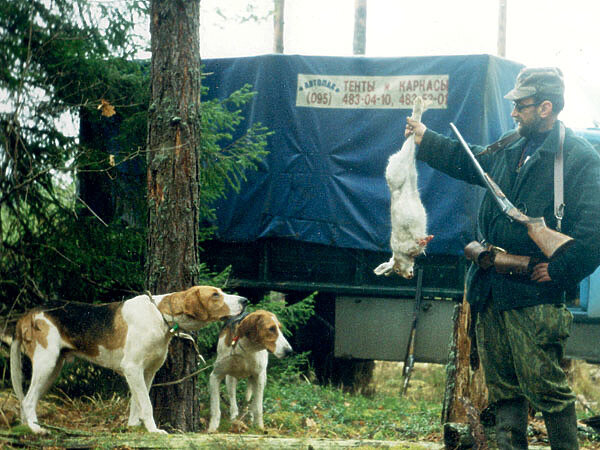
[80,378]
[291,316]
[59,59]
[62,60]
[337,413]
[52,243]
[224,157]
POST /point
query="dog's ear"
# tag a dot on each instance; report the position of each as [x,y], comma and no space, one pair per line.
[195,303]
[26,329]
[30,332]
[248,327]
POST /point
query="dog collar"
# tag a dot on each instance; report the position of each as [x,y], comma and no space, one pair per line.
[172,328]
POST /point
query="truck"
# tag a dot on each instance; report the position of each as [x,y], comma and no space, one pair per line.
[314,217]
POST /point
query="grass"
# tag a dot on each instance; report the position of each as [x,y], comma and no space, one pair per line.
[586,383]
[295,406]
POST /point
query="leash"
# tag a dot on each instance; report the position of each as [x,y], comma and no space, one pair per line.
[231,324]
[181,380]
[174,329]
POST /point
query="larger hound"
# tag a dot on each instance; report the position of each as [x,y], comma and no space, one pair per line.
[130,337]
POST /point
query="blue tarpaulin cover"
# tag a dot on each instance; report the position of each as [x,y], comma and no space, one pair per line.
[336,121]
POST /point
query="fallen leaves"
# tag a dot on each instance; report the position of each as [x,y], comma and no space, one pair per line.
[106,109]
[309,423]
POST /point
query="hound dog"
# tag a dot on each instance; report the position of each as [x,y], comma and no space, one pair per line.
[242,352]
[130,337]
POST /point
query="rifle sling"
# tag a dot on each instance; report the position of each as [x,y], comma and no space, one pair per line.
[559,205]
[499,145]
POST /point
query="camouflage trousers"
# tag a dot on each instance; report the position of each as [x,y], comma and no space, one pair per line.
[520,352]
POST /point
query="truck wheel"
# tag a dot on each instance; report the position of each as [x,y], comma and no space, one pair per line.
[317,336]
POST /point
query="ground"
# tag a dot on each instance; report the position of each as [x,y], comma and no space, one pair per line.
[94,422]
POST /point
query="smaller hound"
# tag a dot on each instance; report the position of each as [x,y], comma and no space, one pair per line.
[242,352]
[130,337]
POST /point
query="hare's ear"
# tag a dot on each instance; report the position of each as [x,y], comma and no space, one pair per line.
[384,268]
[424,241]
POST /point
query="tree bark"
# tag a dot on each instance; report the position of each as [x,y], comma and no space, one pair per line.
[173,189]
[466,394]
[360,27]
[278,23]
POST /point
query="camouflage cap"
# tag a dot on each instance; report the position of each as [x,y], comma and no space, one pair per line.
[541,80]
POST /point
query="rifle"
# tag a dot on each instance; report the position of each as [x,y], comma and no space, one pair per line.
[409,358]
[549,241]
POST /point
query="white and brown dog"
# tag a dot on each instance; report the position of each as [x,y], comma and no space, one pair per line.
[130,337]
[242,352]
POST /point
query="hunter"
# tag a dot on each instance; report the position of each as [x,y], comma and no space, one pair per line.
[522,320]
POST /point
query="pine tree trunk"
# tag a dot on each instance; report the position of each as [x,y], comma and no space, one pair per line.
[278,26]
[173,190]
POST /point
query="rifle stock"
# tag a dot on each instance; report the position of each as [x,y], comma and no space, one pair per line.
[549,241]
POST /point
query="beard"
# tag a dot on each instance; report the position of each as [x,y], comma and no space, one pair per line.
[528,129]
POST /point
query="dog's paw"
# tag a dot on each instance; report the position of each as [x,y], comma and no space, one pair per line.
[237,426]
[35,428]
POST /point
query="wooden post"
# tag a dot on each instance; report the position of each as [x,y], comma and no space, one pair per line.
[502,28]
[360,27]
[278,23]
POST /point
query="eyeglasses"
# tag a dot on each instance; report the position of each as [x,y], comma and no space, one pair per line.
[520,107]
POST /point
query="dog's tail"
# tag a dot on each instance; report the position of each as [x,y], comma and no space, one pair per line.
[16,368]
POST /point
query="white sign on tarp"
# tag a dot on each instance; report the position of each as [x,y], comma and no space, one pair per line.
[389,92]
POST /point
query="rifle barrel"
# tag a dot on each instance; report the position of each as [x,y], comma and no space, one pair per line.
[549,241]
[503,202]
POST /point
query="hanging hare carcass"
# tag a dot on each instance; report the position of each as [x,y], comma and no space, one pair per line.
[408,217]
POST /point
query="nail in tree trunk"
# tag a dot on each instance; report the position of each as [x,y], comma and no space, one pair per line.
[360,27]
[173,191]
[278,23]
